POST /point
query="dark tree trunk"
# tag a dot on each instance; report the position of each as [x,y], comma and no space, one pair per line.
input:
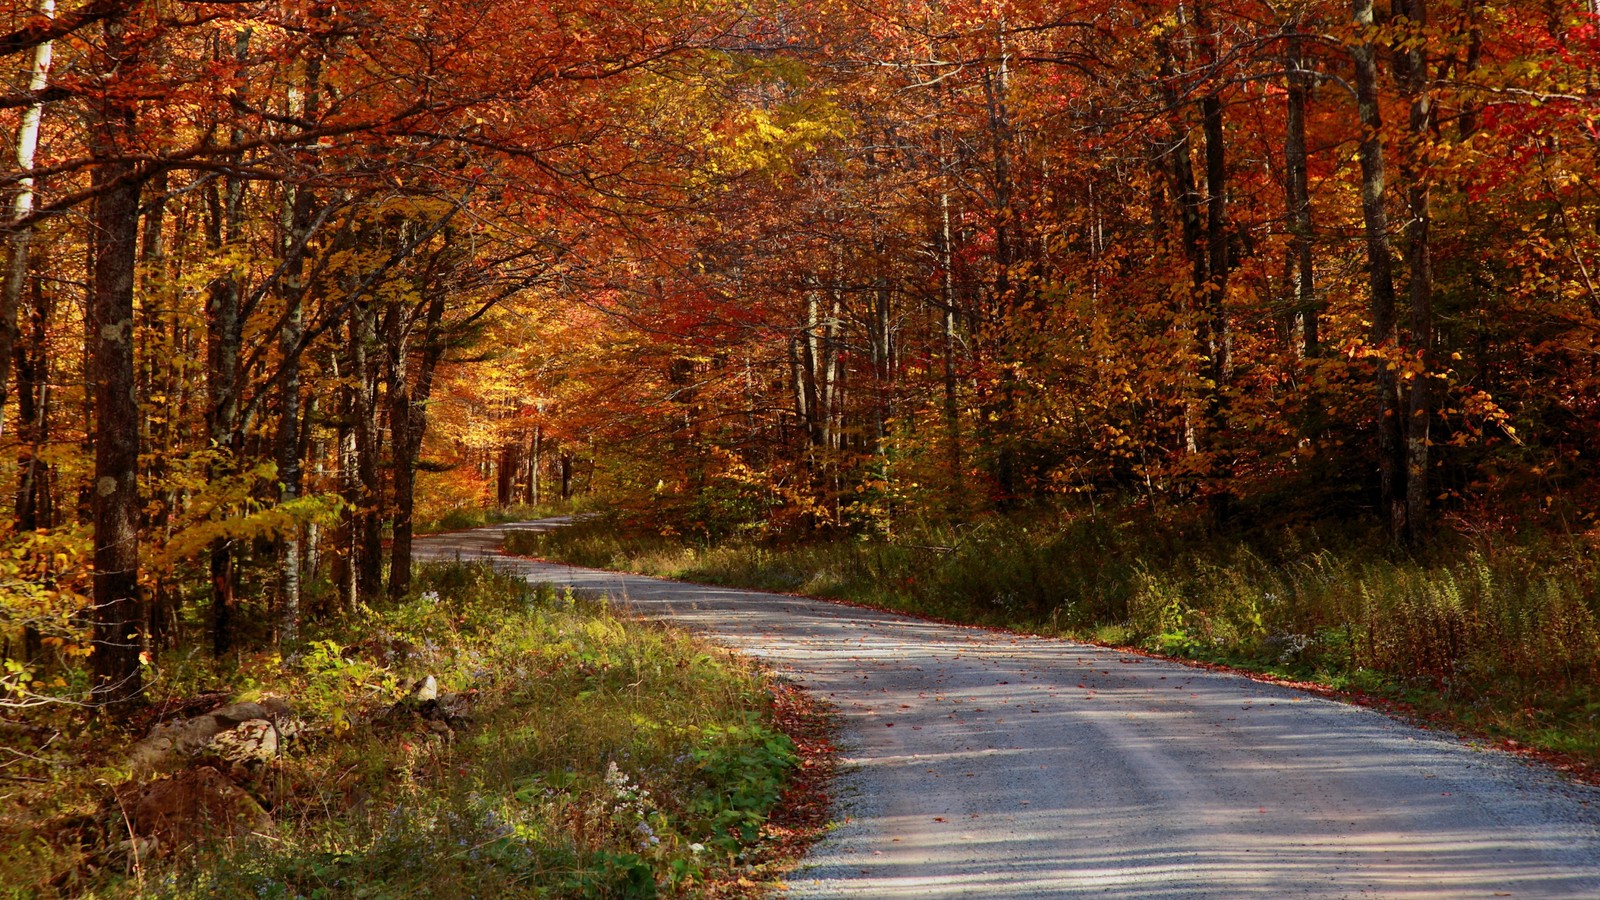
[1190,208]
[368,520]
[535,456]
[408,420]
[1412,69]
[506,472]
[1380,279]
[120,619]
[224,338]
[224,341]
[34,475]
[32,367]
[1214,293]
[1219,336]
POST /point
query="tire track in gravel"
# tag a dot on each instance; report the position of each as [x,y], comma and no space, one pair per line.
[983,764]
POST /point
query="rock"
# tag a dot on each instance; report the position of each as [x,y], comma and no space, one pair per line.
[172,745]
[427,712]
[194,806]
[252,741]
[455,706]
[427,689]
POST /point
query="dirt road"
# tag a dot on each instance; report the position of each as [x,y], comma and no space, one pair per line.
[991,765]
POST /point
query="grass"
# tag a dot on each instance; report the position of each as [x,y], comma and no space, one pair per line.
[474,517]
[602,757]
[1500,637]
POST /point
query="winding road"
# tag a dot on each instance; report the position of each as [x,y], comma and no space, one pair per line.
[983,764]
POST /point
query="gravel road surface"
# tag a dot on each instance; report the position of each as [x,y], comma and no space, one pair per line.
[982,764]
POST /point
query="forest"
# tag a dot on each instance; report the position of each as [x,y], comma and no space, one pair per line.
[1062,289]
[286,281]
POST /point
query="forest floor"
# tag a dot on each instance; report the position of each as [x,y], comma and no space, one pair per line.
[985,763]
[483,737]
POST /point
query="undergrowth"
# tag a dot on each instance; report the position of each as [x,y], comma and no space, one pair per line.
[1500,636]
[462,518]
[602,757]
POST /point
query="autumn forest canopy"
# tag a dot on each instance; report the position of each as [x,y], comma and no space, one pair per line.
[283,280]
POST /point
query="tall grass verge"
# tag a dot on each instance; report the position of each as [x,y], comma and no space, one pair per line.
[1500,636]
[599,757]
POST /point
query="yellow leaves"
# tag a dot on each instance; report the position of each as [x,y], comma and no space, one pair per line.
[44,577]
[1161,25]
[772,138]
[270,521]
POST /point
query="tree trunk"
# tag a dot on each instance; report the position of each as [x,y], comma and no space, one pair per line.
[34,478]
[1380,279]
[506,471]
[22,205]
[224,338]
[1214,293]
[1190,207]
[288,445]
[299,205]
[1413,70]
[403,464]
[157,376]
[533,465]
[408,421]
[344,539]
[369,509]
[224,342]
[1219,336]
[119,613]
[947,322]
[1305,327]
[999,407]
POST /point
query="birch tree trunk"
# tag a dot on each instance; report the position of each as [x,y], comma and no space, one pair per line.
[947,329]
[224,342]
[299,216]
[999,409]
[22,205]
[368,519]
[1305,328]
